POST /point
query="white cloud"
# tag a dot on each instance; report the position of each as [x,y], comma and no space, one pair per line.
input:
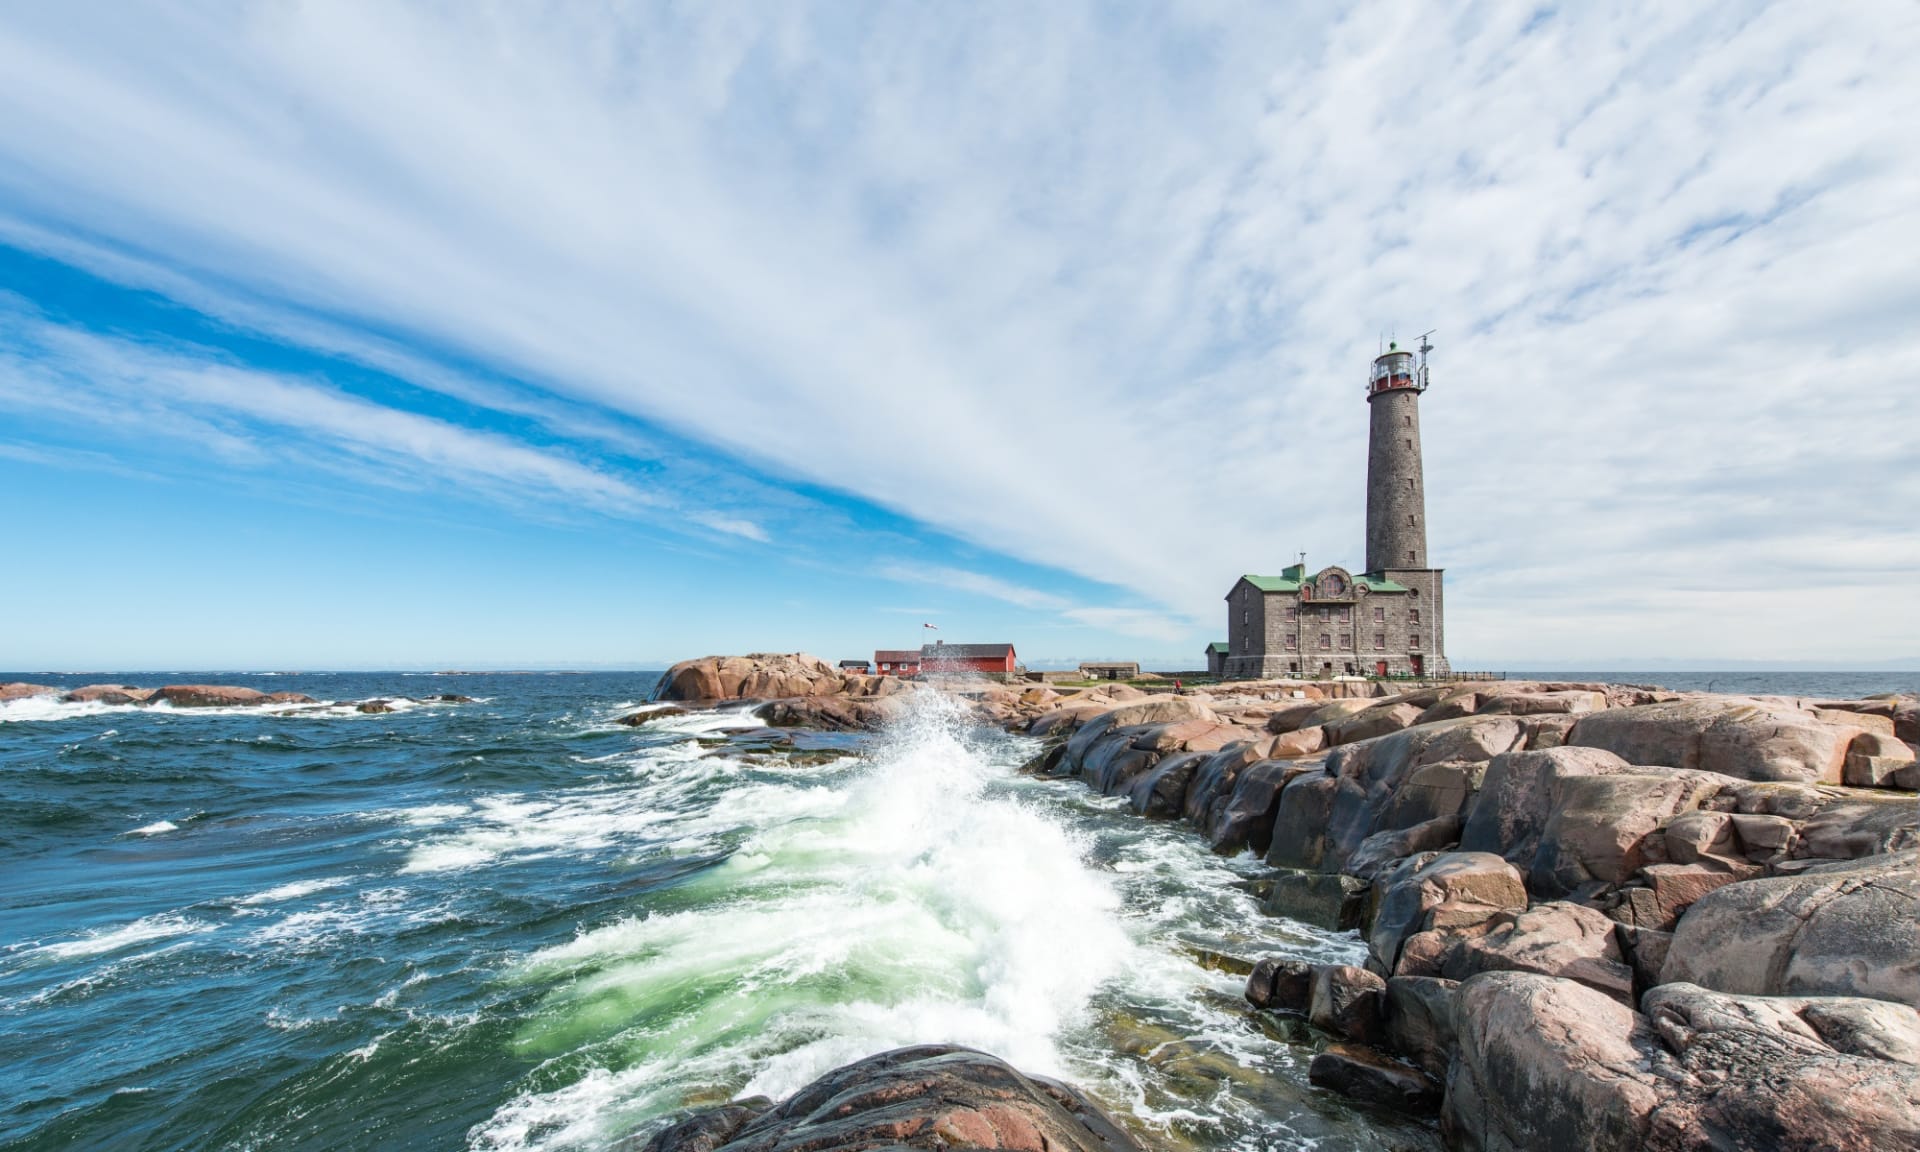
[1137,622]
[971,583]
[998,259]
[732,526]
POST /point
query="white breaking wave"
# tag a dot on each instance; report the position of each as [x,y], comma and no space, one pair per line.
[522,827]
[155,828]
[908,905]
[104,940]
[295,890]
[31,708]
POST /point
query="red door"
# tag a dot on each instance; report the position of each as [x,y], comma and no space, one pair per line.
[1380,669]
[1419,664]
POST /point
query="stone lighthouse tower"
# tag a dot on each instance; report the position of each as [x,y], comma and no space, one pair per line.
[1385,621]
[1396,491]
[1415,630]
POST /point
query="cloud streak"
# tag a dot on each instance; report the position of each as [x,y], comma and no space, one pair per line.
[972,266]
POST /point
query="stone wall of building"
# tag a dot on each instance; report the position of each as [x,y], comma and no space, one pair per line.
[1280,634]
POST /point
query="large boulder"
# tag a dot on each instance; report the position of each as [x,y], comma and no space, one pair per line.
[1348,1001]
[1857,825]
[1361,1072]
[1745,739]
[1168,709]
[1246,819]
[1064,721]
[1785,1074]
[215,696]
[1376,721]
[1599,827]
[1420,1020]
[1433,791]
[1879,760]
[1548,1063]
[759,676]
[1159,793]
[1113,761]
[1846,929]
[1290,716]
[1299,742]
[1444,891]
[1372,773]
[108,694]
[832,713]
[1327,900]
[1574,702]
[1212,786]
[1300,824]
[21,690]
[1558,939]
[931,1097]
[1515,798]
[1281,984]
[1385,849]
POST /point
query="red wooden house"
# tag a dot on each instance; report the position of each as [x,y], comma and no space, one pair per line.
[897,662]
[986,659]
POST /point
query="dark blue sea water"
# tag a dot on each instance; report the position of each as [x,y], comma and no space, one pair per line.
[514,924]
[1824,685]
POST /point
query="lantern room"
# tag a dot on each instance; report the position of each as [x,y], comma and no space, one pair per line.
[1394,370]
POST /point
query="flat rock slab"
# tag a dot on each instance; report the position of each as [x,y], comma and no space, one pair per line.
[1846,929]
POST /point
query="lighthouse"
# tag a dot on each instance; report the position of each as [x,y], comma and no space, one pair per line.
[1396,490]
[1385,620]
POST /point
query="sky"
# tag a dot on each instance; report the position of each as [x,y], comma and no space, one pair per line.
[362,335]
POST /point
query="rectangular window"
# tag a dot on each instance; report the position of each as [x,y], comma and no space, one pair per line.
[1379,615]
[1409,557]
[1326,642]
[1292,615]
[1346,640]
[1413,615]
[1413,641]
[1346,615]
[1379,641]
[1291,642]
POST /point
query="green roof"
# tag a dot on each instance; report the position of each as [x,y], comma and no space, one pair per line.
[1380,584]
[1219,646]
[1274,583]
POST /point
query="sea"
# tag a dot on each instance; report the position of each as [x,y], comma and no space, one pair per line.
[512,923]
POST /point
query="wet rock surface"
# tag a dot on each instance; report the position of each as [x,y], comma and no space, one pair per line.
[933,1097]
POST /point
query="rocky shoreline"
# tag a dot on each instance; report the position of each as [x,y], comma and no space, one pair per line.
[198,696]
[1597,916]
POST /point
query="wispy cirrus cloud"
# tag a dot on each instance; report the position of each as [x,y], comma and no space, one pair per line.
[194,396]
[974,266]
[972,584]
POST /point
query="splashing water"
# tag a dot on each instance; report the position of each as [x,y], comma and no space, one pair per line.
[908,905]
[517,925]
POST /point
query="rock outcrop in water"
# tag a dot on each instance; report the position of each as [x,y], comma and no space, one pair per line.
[931,1097]
[199,696]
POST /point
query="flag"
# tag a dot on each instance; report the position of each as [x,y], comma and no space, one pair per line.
[935,627]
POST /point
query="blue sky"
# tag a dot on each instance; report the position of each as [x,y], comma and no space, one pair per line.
[361,335]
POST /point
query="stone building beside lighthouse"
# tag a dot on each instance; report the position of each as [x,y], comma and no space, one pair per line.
[1387,619]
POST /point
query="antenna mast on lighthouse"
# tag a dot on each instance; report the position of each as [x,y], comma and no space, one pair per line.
[1425,347]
